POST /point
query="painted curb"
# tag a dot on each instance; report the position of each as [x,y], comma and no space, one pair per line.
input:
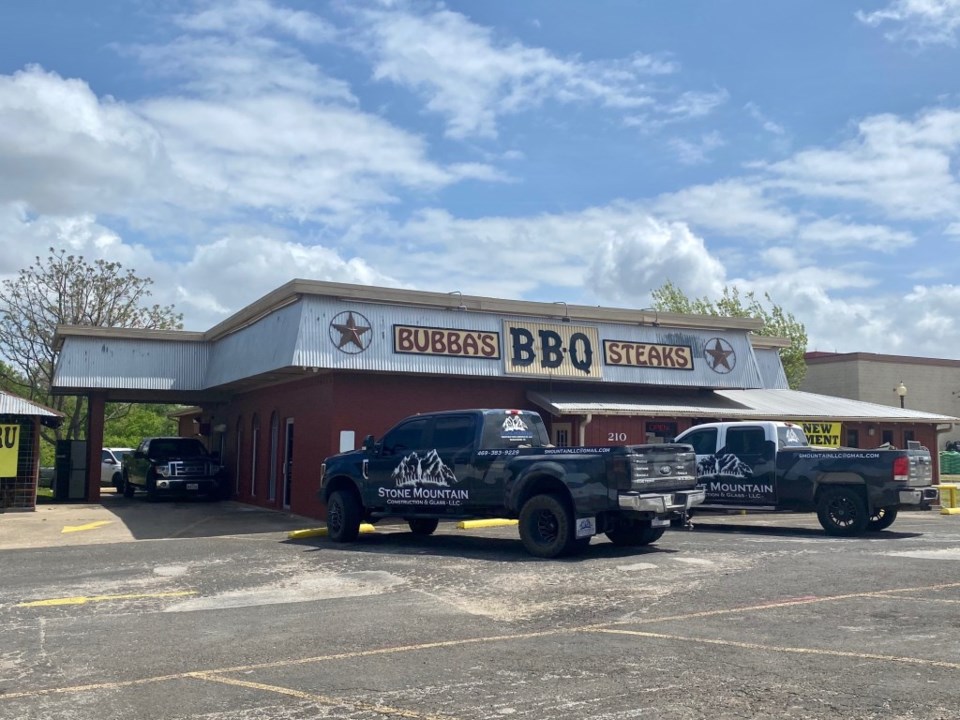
[492,522]
[950,511]
[322,532]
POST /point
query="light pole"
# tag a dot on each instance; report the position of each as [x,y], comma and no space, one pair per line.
[901,391]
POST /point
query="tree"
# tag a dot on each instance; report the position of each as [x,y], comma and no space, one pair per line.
[67,290]
[776,321]
[140,421]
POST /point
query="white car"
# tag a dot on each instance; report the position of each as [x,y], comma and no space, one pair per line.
[110,459]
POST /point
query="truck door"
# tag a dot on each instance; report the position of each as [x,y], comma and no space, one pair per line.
[704,441]
[454,440]
[745,469]
[391,469]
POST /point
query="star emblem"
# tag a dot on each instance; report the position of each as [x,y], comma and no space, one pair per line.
[720,355]
[347,333]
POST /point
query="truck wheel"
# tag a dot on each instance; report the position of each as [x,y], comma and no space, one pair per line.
[343,516]
[842,512]
[128,489]
[634,534]
[117,482]
[882,518]
[546,526]
[423,526]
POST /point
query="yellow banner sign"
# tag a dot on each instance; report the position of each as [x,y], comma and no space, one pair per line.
[443,341]
[9,449]
[827,434]
[653,355]
[549,350]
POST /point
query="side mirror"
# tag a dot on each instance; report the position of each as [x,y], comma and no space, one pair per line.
[368,444]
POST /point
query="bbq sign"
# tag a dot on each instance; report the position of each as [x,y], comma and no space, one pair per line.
[443,341]
[560,350]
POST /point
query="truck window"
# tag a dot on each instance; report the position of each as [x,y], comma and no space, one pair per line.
[704,441]
[404,438]
[520,430]
[791,436]
[745,441]
[454,433]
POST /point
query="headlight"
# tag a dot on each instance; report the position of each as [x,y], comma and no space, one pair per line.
[163,470]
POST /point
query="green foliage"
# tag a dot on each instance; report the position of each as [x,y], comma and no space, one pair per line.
[129,424]
[776,321]
[67,290]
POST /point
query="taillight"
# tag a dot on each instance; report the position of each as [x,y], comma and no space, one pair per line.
[620,472]
[901,468]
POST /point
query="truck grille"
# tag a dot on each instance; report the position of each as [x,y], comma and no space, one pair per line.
[662,471]
[188,468]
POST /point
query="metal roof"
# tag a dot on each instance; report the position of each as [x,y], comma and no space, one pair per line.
[766,404]
[15,405]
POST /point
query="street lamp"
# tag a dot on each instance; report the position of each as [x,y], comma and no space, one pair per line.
[901,391]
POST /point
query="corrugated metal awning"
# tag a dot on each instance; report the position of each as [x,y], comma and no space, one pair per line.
[15,405]
[730,404]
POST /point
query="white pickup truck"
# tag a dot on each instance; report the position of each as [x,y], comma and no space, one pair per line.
[771,466]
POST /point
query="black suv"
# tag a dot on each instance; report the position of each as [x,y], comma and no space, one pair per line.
[173,466]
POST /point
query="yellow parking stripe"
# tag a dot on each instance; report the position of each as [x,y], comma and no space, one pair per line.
[83,600]
[321,699]
[88,526]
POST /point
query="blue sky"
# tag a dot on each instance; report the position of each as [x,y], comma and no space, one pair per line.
[548,150]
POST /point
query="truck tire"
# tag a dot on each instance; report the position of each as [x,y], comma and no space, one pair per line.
[842,512]
[546,527]
[129,490]
[422,526]
[882,518]
[343,516]
[634,534]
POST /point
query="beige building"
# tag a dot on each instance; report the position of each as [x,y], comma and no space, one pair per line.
[914,383]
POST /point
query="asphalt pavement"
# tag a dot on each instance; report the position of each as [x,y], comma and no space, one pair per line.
[131,610]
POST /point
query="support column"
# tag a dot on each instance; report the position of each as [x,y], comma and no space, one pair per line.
[96,405]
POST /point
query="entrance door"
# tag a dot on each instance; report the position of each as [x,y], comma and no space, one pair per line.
[287,463]
[560,434]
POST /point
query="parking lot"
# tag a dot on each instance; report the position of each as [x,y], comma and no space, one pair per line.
[177,610]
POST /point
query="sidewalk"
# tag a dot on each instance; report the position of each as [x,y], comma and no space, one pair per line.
[118,519]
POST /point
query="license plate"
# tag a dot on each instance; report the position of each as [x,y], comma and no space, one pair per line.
[193,486]
[657,522]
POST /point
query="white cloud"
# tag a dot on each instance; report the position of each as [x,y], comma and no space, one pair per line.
[471,78]
[627,266]
[731,208]
[610,254]
[834,234]
[64,150]
[766,123]
[901,167]
[212,284]
[697,151]
[925,22]
[241,17]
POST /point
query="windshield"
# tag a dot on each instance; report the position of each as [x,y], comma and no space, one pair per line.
[169,447]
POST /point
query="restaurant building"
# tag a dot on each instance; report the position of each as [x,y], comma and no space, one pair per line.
[313,367]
